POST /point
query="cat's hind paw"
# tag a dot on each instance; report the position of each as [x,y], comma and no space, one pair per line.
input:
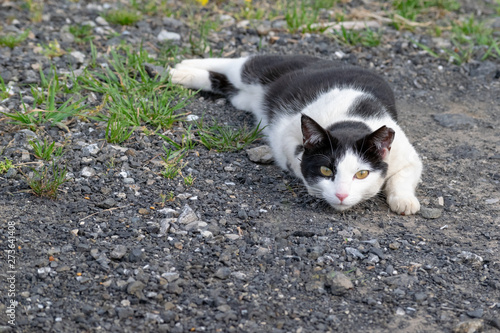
[403,204]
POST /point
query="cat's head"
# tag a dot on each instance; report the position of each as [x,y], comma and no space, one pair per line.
[344,163]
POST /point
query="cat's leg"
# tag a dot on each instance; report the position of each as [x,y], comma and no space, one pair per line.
[218,75]
[400,188]
[222,76]
[191,77]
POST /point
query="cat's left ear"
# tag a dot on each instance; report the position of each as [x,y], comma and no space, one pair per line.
[312,132]
[382,139]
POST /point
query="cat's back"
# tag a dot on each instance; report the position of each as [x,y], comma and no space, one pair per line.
[296,89]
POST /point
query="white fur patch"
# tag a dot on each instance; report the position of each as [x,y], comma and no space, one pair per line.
[190,77]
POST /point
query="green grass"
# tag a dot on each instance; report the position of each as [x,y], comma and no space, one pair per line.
[46,181]
[123,16]
[50,111]
[5,166]
[82,33]
[189,180]
[300,13]
[413,9]
[152,7]
[11,40]
[132,97]
[198,36]
[44,150]
[118,131]
[173,163]
[471,40]
[224,138]
[366,37]
[52,49]
[5,91]
[35,9]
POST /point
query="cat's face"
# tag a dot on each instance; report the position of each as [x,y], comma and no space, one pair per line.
[344,164]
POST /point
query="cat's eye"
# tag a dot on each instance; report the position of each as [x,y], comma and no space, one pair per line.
[325,171]
[362,174]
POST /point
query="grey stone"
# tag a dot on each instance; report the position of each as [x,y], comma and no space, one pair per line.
[136,255]
[135,288]
[262,251]
[88,172]
[108,203]
[187,215]
[173,23]
[262,154]
[124,313]
[222,273]
[242,214]
[477,313]
[170,276]
[470,326]
[11,173]
[165,225]
[79,56]
[232,236]
[465,151]
[195,225]
[421,296]
[165,35]
[101,21]
[486,69]
[91,149]
[169,212]
[25,156]
[67,37]
[227,19]
[129,180]
[373,258]
[430,213]
[469,256]
[206,233]
[455,120]
[338,283]
[354,252]
[403,280]
[118,252]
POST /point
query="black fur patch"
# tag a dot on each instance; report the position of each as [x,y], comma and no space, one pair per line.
[221,84]
[268,68]
[368,107]
[348,131]
[295,81]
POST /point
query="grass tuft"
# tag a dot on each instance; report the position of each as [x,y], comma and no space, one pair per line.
[122,16]
[11,40]
[6,166]
[224,138]
[46,182]
[82,33]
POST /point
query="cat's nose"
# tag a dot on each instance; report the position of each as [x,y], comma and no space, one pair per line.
[341,196]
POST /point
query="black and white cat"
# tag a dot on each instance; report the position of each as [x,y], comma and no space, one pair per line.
[333,126]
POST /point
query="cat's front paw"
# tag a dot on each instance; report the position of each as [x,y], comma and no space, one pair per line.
[403,204]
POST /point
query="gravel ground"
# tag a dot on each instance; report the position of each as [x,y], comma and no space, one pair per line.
[245,249]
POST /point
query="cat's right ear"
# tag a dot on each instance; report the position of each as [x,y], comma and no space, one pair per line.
[312,132]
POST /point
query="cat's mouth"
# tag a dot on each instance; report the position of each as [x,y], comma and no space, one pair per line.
[341,206]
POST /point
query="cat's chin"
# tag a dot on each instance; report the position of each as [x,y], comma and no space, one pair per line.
[340,207]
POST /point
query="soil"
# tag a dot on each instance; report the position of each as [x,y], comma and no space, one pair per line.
[245,248]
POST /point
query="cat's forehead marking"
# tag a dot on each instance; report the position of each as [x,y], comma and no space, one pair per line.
[351,162]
